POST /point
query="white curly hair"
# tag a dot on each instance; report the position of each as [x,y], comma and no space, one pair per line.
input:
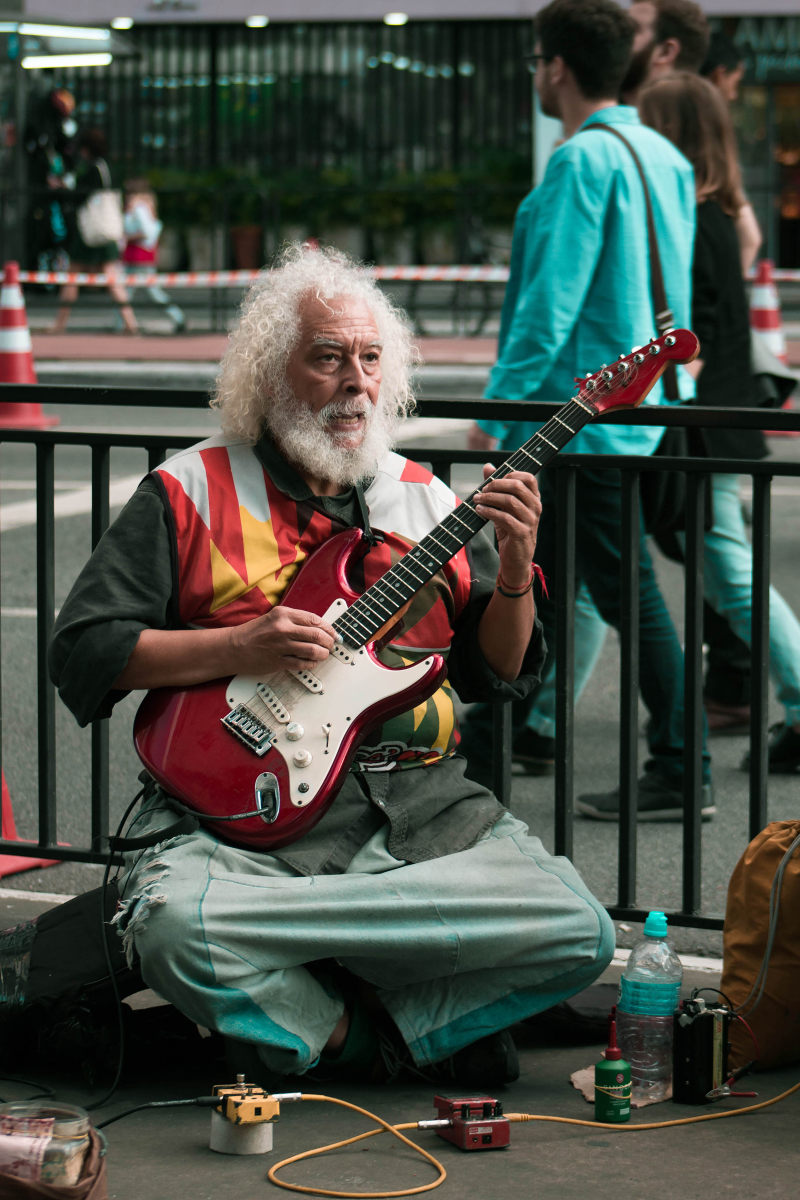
[252,372]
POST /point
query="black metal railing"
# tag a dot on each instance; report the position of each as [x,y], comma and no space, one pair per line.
[154,447]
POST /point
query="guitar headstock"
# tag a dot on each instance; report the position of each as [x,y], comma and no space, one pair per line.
[627,381]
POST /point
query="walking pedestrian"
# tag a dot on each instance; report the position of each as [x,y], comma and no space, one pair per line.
[142,232]
[103,256]
[579,289]
[692,113]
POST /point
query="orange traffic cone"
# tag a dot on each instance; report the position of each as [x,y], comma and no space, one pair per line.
[766,324]
[10,864]
[16,355]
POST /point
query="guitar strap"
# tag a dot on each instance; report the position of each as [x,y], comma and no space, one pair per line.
[373,537]
[665,318]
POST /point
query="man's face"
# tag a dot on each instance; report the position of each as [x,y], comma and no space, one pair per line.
[548,98]
[644,16]
[328,420]
[335,369]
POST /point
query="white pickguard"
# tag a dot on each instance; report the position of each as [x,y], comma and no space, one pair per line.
[319,721]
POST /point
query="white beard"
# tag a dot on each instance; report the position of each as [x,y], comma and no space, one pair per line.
[304,439]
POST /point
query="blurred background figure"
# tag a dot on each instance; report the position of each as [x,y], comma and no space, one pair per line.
[50,149]
[723,66]
[142,231]
[671,35]
[93,176]
[692,113]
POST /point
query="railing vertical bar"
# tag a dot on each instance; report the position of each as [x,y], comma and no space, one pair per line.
[444,471]
[155,456]
[564,589]
[501,745]
[45,611]
[759,653]
[629,689]
[101,513]
[696,491]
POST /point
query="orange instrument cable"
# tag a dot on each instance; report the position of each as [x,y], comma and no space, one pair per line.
[385,1127]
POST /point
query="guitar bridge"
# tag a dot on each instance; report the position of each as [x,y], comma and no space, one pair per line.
[248,728]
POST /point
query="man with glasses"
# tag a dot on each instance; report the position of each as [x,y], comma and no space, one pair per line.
[579,295]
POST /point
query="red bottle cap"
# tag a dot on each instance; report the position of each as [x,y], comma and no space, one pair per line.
[612,1051]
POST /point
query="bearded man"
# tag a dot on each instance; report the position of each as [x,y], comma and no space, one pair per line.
[671,35]
[416,913]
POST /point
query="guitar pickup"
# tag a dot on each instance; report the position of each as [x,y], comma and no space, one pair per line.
[309,681]
[241,722]
[344,654]
[273,702]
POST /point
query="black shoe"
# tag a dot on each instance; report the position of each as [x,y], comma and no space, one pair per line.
[660,799]
[534,753]
[490,1062]
[783,751]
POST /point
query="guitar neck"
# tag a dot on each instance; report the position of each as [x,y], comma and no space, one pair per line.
[381,602]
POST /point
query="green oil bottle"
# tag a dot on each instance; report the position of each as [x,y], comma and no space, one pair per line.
[612,1081]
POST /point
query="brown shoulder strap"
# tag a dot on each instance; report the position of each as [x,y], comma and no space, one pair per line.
[665,318]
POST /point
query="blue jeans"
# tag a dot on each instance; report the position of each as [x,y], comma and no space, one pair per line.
[728,580]
[598,559]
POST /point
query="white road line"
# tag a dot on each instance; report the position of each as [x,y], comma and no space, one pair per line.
[71,504]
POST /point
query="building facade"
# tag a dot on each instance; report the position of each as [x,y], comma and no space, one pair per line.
[420,135]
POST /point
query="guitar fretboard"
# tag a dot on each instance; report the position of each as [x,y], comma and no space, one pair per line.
[380,602]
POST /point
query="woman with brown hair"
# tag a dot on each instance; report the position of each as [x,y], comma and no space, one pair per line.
[690,111]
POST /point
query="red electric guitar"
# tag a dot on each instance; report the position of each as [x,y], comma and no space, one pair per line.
[260,760]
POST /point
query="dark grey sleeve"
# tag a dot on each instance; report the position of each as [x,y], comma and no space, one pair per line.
[467,669]
[127,585]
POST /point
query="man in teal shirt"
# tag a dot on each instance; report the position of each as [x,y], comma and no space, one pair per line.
[579,295]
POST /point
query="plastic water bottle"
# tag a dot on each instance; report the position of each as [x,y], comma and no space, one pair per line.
[648,996]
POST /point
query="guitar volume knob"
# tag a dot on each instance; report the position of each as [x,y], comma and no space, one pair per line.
[294,731]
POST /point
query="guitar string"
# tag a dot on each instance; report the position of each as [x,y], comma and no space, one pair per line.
[358,624]
[360,618]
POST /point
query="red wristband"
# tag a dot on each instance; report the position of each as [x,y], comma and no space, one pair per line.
[512,593]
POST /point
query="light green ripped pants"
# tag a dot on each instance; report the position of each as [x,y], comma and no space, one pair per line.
[457,948]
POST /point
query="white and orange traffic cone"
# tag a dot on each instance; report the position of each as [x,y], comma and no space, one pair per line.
[16,355]
[765,310]
[11,864]
[767,325]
